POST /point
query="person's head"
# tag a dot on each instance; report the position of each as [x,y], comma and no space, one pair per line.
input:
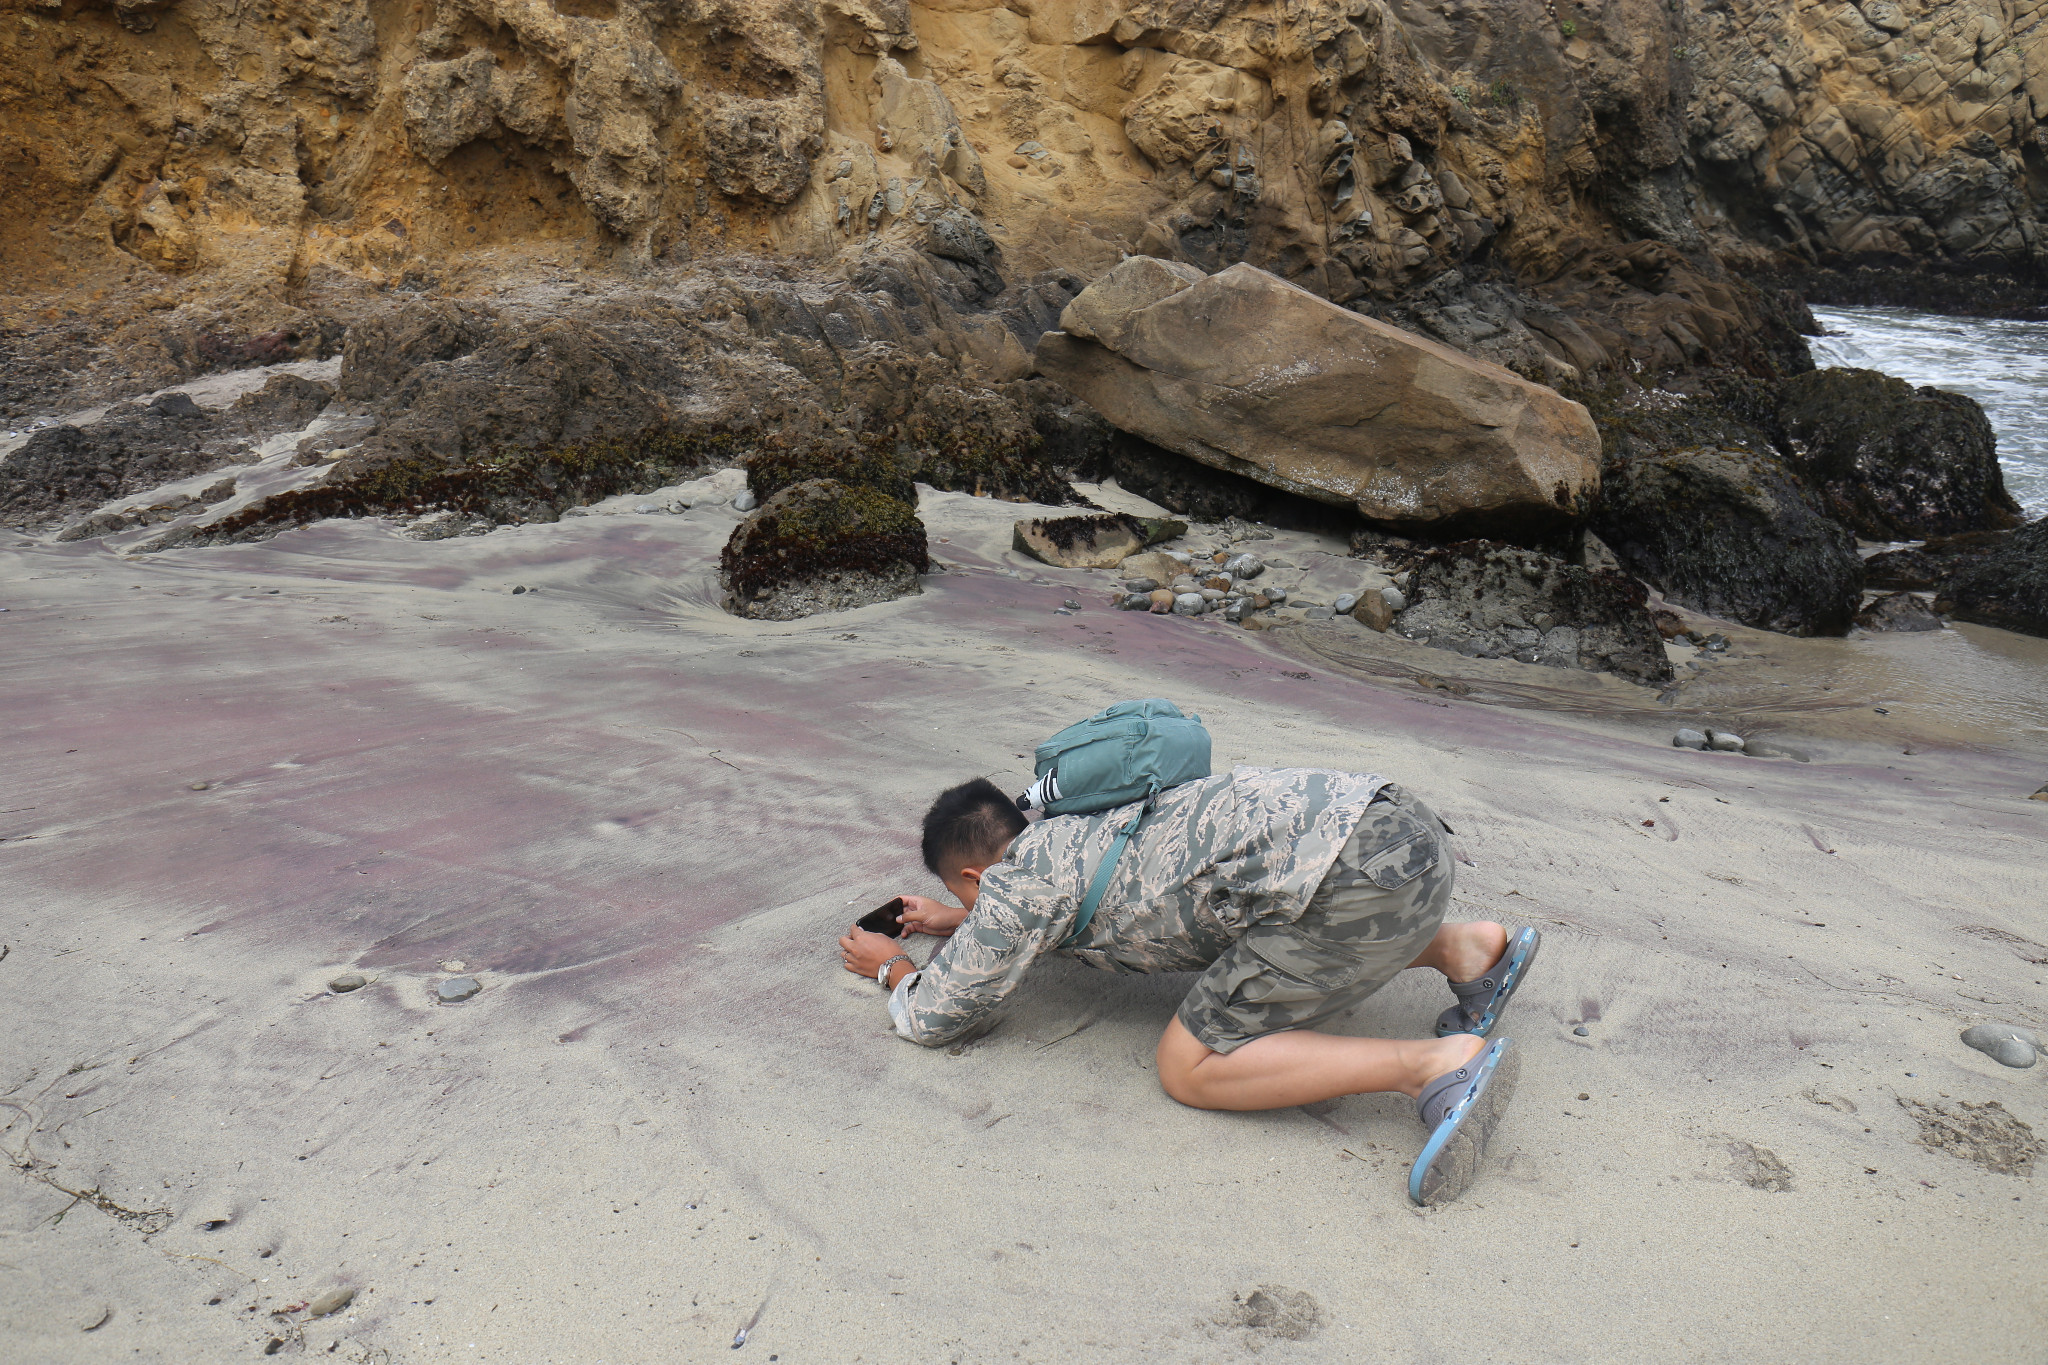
[966,830]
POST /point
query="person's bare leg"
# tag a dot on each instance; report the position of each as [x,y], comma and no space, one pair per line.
[1463,952]
[1300,1067]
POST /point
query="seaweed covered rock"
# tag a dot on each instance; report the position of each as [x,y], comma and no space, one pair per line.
[1893,462]
[1730,533]
[2006,587]
[1091,542]
[868,460]
[1494,601]
[1898,611]
[822,545]
[1923,567]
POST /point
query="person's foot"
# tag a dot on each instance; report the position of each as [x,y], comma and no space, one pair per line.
[1461,1109]
[1473,948]
[1443,1056]
[1481,1000]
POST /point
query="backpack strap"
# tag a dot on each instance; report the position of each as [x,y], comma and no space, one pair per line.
[1100,884]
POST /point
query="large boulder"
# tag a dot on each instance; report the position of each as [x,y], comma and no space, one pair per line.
[1893,462]
[1243,371]
[1731,534]
[820,546]
[2007,587]
[1494,601]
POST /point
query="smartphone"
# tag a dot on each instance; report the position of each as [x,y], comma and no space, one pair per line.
[886,919]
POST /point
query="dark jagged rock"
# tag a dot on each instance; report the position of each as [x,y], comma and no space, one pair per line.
[2006,587]
[1899,611]
[1923,567]
[1729,532]
[1893,462]
[1494,601]
[61,471]
[822,545]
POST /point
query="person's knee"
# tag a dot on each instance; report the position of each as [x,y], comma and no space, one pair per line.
[1179,1062]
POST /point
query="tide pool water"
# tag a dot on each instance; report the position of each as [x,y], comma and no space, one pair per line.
[2001,364]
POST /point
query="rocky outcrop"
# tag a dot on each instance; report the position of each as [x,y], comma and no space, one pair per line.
[1492,601]
[2006,587]
[1248,373]
[1730,533]
[1892,462]
[1838,132]
[64,470]
[819,546]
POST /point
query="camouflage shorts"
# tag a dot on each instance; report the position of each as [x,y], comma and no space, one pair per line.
[1377,908]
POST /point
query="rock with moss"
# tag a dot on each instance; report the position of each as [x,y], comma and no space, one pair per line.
[1731,533]
[2005,587]
[1893,462]
[819,546]
[1488,600]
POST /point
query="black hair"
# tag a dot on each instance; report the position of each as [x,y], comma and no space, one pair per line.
[967,824]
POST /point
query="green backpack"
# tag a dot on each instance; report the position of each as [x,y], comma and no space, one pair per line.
[1130,752]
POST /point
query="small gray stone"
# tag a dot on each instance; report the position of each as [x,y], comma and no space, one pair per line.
[746,501]
[517,591]
[1134,601]
[1190,604]
[646,509]
[1140,584]
[1343,605]
[198,786]
[1244,566]
[1396,599]
[457,989]
[1274,594]
[1211,594]
[1071,605]
[1688,739]
[1321,613]
[333,1301]
[348,981]
[1582,1031]
[2004,1044]
[1724,741]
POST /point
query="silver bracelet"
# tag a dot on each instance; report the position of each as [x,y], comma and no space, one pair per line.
[882,974]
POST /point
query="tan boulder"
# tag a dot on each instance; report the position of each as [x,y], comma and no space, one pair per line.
[1104,310]
[1156,565]
[1243,371]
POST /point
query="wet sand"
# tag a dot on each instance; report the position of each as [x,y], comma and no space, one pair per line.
[669,1114]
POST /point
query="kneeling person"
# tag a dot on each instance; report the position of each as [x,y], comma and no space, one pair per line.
[1295,892]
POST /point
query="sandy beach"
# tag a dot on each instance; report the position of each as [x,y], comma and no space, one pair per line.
[669,1117]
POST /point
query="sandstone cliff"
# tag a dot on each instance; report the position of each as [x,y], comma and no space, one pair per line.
[195,184]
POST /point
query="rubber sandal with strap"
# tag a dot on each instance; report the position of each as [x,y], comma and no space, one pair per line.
[1480,1002]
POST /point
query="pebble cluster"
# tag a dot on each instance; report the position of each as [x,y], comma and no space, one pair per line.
[1226,585]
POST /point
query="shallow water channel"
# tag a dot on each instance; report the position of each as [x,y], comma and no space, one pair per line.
[2001,364]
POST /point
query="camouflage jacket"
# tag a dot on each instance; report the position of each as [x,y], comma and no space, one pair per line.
[1214,858]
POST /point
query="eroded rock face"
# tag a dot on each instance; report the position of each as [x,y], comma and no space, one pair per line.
[822,545]
[1248,373]
[2006,587]
[1478,175]
[1892,462]
[1495,601]
[1838,132]
[1730,533]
